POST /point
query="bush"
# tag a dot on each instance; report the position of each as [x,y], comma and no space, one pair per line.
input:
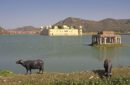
[5,73]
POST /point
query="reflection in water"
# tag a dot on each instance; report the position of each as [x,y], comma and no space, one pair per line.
[105,52]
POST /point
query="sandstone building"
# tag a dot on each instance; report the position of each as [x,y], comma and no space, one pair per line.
[61,31]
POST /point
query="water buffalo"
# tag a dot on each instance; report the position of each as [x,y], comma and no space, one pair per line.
[32,64]
[108,67]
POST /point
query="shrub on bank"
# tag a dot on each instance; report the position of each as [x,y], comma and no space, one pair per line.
[5,73]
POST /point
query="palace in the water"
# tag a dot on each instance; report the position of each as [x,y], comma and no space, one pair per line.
[106,37]
[61,30]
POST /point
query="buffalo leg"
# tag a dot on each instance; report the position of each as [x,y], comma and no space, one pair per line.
[30,71]
[26,71]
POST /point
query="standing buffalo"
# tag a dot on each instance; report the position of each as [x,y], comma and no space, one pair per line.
[108,67]
[32,64]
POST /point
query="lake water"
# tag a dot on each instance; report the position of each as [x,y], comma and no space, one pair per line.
[60,54]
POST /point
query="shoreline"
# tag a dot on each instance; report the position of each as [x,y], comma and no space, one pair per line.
[84,34]
[47,77]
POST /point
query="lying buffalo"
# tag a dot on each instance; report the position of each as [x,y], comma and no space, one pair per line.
[108,67]
[32,64]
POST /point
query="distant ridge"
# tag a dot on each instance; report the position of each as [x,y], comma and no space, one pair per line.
[3,31]
[26,28]
[118,25]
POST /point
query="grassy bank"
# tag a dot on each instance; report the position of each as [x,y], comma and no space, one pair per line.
[121,76]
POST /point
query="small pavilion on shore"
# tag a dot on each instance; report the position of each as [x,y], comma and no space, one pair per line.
[106,38]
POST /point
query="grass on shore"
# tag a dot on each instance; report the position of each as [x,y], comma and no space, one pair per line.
[120,76]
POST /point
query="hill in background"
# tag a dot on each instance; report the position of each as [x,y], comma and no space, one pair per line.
[118,25]
[3,31]
[26,28]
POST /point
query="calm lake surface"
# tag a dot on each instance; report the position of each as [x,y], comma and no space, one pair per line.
[60,54]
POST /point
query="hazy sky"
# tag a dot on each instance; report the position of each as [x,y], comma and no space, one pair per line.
[18,13]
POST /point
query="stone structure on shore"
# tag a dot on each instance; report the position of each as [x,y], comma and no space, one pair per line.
[106,38]
[61,31]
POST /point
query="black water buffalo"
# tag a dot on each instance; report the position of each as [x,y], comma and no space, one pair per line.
[108,67]
[32,64]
